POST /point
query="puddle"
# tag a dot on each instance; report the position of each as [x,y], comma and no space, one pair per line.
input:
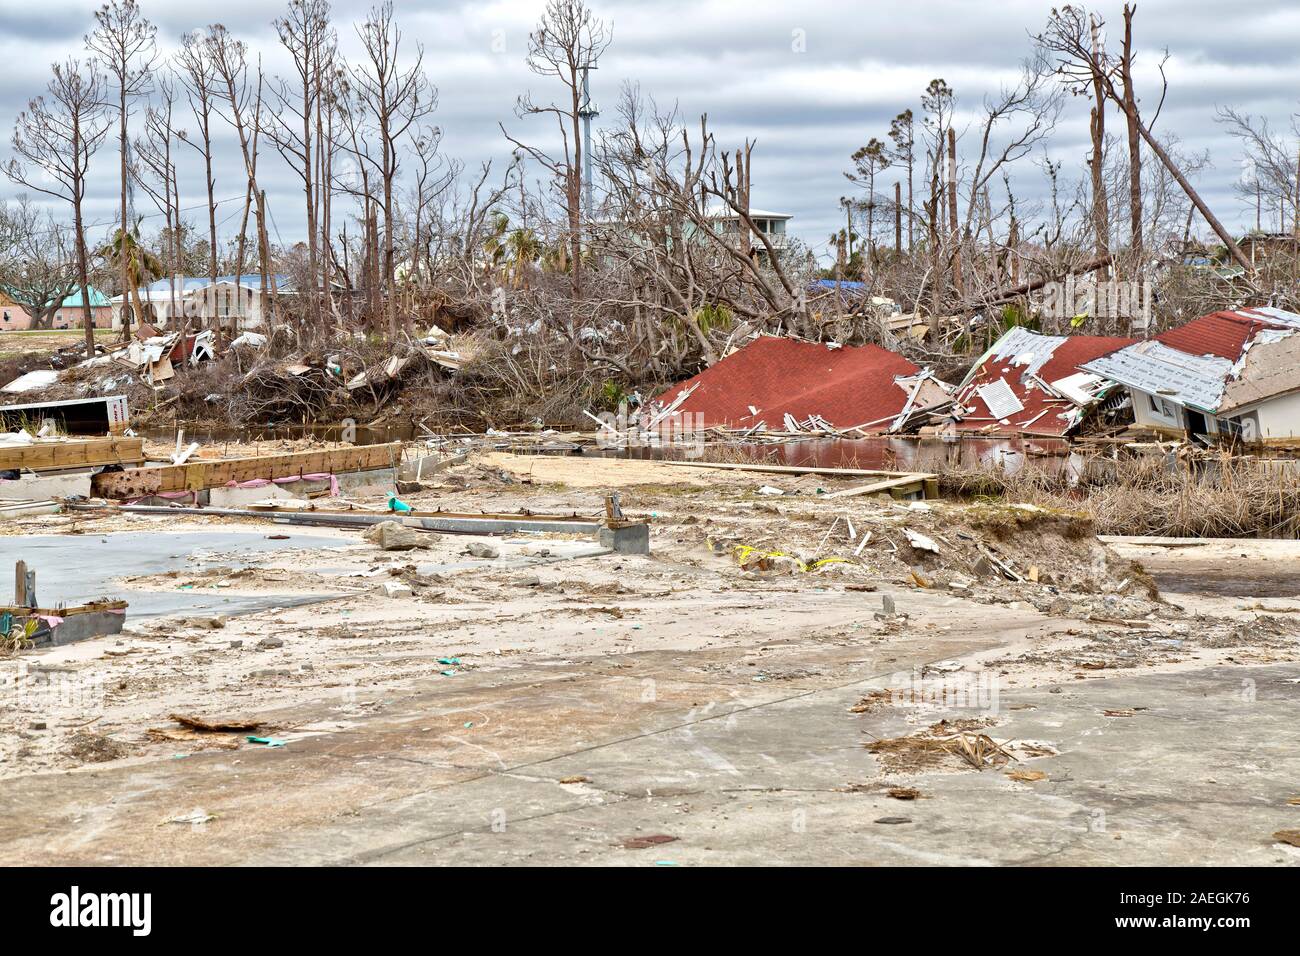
[74,569]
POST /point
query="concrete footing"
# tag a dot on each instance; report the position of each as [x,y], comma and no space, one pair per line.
[49,486]
[625,538]
[356,482]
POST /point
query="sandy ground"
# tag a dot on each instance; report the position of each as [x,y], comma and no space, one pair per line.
[13,343]
[721,686]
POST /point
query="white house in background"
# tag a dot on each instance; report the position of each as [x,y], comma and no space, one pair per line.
[198,298]
[1233,373]
[771,224]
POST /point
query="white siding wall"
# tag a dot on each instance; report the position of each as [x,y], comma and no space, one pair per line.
[1144,415]
[1280,418]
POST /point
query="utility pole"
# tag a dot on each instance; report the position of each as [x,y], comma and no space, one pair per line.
[588,112]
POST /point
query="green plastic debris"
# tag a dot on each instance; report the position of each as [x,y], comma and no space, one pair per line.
[268,741]
[397,504]
[449,660]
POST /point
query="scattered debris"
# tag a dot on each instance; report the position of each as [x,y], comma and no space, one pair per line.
[215,726]
[645,842]
[394,536]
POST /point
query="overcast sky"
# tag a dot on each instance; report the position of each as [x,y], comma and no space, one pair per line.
[810,81]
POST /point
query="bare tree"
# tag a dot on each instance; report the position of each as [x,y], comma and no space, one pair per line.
[295,128]
[124,42]
[53,141]
[396,99]
[242,102]
[902,133]
[1134,141]
[200,78]
[38,261]
[1068,36]
[155,171]
[568,40]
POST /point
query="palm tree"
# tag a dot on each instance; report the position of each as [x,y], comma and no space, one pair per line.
[525,249]
[495,243]
[140,266]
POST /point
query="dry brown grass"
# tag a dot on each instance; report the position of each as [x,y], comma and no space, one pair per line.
[1206,495]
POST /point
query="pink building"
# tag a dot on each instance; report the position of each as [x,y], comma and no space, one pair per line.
[67,316]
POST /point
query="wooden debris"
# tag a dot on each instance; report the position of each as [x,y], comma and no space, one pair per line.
[227,725]
[645,842]
[1027,776]
[201,475]
[1288,836]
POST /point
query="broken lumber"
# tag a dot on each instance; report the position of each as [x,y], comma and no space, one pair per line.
[81,453]
[889,484]
[201,475]
[803,470]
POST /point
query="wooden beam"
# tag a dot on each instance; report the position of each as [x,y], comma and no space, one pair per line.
[800,469]
[88,453]
[877,486]
[201,475]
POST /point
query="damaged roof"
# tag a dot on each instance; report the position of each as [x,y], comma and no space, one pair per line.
[1224,360]
[1030,384]
[772,377]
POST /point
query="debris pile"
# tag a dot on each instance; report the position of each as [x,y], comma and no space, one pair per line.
[1032,384]
[993,551]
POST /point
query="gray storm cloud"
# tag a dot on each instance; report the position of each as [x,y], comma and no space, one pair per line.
[808,103]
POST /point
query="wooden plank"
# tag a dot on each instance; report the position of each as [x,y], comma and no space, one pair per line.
[55,455]
[877,486]
[200,475]
[799,469]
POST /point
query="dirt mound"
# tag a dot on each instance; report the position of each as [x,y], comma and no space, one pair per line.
[939,545]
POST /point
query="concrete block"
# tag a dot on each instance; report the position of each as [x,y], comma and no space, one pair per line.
[395,589]
[48,486]
[243,497]
[626,539]
[378,479]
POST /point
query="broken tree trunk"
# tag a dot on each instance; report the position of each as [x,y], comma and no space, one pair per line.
[1134,145]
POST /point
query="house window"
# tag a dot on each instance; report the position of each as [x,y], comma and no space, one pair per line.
[6,316]
[1160,407]
[1241,427]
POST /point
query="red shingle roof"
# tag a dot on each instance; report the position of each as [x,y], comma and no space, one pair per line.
[848,386]
[1223,334]
[1041,415]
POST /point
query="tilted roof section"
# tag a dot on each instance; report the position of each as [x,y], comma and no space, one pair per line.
[847,386]
[1027,361]
[1196,381]
[1205,364]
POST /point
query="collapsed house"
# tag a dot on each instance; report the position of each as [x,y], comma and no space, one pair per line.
[1032,384]
[782,384]
[1233,374]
